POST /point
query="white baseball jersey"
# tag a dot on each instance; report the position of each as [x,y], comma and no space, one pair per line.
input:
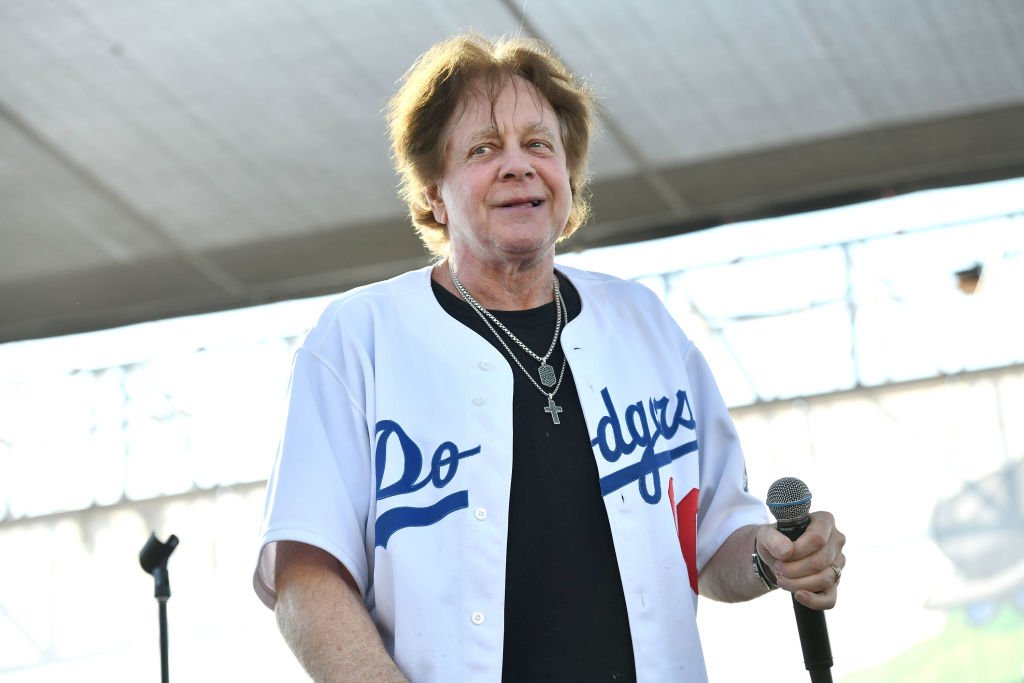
[397,459]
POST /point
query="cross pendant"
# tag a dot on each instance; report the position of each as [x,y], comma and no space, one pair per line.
[553,410]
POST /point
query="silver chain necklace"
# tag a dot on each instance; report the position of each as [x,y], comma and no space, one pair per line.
[546,372]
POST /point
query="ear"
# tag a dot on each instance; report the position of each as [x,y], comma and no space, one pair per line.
[433,195]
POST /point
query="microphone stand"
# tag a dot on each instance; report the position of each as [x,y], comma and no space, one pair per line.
[153,558]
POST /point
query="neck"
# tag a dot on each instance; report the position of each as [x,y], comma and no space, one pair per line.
[513,289]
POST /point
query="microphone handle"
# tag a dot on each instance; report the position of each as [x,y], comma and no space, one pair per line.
[810,623]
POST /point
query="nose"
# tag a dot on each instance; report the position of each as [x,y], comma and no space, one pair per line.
[516,163]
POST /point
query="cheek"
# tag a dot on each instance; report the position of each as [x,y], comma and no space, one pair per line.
[558,176]
[459,201]
[564,188]
[464,193]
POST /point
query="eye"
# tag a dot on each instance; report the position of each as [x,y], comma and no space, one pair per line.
[480,150]
[540,147]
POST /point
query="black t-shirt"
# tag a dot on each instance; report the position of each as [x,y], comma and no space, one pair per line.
[565,612]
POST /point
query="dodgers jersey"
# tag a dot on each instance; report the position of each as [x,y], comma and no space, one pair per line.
[396,459]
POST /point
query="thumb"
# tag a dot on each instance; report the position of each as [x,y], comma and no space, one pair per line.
[778,545]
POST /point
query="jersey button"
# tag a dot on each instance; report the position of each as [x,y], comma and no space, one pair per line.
[477,618]
[479,401]
[480,513]
[485,365]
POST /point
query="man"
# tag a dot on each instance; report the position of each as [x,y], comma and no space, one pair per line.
[493,470]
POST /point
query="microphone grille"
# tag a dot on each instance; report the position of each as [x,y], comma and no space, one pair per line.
[789,499]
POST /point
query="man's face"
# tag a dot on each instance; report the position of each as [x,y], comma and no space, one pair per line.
[505,193]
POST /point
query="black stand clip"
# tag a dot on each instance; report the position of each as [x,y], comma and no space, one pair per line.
[153,558]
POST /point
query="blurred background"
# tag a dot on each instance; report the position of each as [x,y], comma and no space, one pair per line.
[828,195]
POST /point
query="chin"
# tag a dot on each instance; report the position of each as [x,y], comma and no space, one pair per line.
[529,246]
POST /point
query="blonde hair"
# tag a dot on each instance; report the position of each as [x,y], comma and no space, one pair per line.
[436,86]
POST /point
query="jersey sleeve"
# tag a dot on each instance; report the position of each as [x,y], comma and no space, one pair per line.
[320,487]
[725,503]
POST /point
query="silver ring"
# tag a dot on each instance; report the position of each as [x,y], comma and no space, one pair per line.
[838,574]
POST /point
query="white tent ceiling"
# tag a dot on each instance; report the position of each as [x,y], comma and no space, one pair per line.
[159,158]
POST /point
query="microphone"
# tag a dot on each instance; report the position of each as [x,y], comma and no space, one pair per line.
[789,501]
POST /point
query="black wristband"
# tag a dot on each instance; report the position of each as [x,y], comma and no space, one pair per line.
[762,570]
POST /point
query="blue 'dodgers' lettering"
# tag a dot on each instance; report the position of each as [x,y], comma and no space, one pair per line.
[644,427]
[443,465]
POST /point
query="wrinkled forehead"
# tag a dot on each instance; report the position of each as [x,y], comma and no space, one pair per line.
[478,107]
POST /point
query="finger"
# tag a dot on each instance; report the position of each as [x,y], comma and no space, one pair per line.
[820,599]
[817,535]
[820,569]
[818,564]
[815,556]
[816,581]
[773,545]
[818,590]
[822,519]
[817,601]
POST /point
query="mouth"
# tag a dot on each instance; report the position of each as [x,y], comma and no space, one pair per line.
[522,204]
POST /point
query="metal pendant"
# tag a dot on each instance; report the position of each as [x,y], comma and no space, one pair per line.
[553,410]
[547,375]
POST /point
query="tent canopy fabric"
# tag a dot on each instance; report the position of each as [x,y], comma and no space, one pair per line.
[159,161]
